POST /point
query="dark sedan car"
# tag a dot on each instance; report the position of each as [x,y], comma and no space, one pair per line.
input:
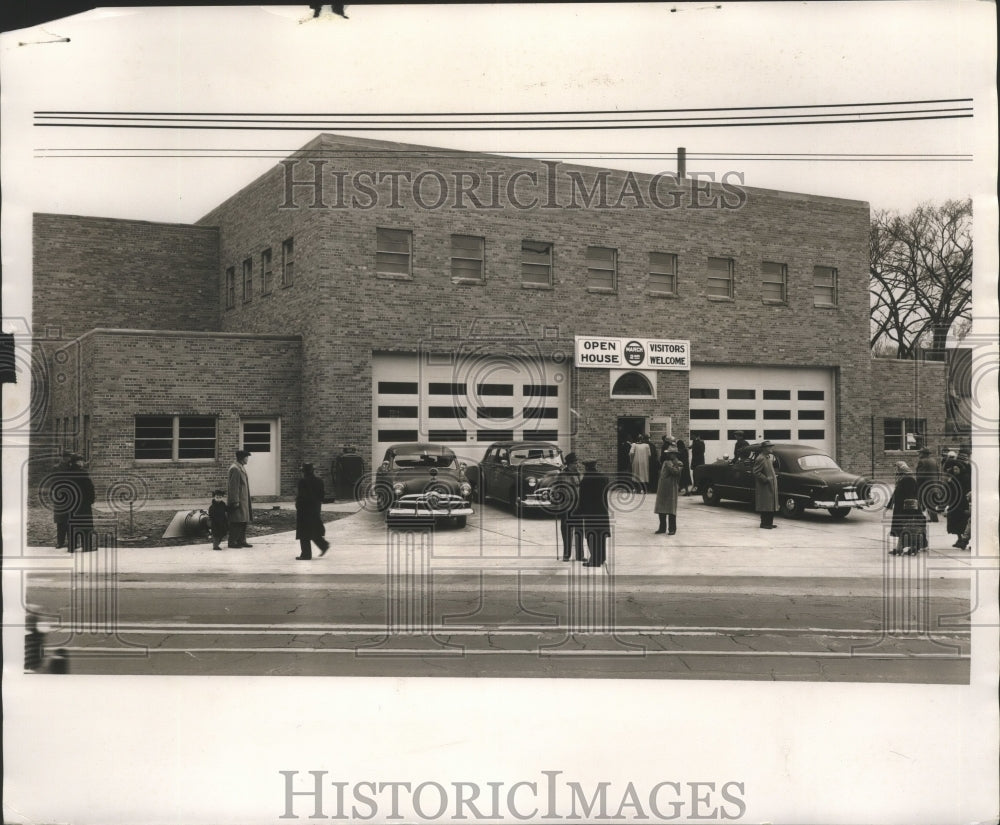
[807,479]
[518,473]
[423,481]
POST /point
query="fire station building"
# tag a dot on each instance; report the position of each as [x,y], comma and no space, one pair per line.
[365,293]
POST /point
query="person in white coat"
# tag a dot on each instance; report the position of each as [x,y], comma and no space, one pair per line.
[639,454]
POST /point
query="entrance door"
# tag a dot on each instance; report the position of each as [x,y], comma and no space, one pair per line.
[629,426]
[260,437]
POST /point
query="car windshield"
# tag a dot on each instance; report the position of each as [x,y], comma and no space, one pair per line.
[817,462]
[428,460]
[536,455]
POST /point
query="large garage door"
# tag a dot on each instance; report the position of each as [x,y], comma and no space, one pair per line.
[781,404]
[467,403]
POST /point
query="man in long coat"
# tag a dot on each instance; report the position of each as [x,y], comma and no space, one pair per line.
[566,489]
[309,526]
[81,498]
[958,472]
[596,515]
[765,482]
[238,500]
[59,493]
[666,491]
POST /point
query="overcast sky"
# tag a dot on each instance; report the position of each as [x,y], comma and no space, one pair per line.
[498,59]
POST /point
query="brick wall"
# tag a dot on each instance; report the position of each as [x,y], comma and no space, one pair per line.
[102,272]
[127,373]
[344,309]
[906,389]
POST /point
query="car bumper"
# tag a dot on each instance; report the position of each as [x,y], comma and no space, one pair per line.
[535,501]
[842,502]
[428,512]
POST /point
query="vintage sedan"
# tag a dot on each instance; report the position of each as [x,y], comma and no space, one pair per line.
[423,481]
[807,479]
[518,473]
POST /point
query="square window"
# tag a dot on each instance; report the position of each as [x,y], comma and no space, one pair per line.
[824,286]
[663,272]
[467,257]
[720,278]
[774,283]
[393,249]
[602,268]
[903,433]
[536,263]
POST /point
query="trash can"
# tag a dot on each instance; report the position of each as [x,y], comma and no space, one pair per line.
[347,470]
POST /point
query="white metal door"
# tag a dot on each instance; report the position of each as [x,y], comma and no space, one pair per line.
[467,402]
[260,437]
[778,403]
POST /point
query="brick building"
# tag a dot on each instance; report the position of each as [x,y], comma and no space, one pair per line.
[365,292]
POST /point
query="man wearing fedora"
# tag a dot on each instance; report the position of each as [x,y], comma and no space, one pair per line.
[765,486]
[309,526]
[666,491]
[238,500]
[568,490]
[596,515]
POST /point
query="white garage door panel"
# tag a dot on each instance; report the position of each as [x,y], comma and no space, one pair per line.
[467,402]
[779,403]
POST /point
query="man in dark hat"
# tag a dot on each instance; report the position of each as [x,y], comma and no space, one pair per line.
[80,490]
[596,514]
[566,492]
[238,500]
[765,486]
[309,526]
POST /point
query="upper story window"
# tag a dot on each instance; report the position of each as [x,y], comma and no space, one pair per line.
[663,273]
[720,278]
[824,286]
[287,262]
[467,258]
[774,283]
[174,437]
[393,252]
[536,263]
[230,287]
[602,268]
[247,280]
[266,272]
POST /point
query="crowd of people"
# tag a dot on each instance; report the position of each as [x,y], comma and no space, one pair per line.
[921,494]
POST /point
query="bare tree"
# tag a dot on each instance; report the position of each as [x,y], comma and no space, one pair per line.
[920,276]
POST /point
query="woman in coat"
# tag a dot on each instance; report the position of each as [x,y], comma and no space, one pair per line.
[909,525]
[639,454]
[309,526]
[666,491]
[958,475]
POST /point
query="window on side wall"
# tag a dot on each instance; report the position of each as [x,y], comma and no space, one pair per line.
[230,287]
[247,280]
[266,272]
[602,269]
[720,278]
[824,286]
[663,273]
[467,258]
[288,262]
[536,264]
[393,252]
[773,283]
[903,433]
[174,437]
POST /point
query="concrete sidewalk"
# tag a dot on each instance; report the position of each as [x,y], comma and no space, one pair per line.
[710,542]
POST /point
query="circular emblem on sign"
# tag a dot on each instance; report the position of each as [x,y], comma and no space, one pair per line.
[635,353]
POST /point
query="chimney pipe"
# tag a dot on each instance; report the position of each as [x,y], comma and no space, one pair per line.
[681,163]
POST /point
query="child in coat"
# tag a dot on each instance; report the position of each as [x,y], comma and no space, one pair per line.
[218,515]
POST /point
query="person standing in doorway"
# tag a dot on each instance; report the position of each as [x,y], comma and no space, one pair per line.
[238,500]
[765,486]
[308,514]
[666,492]
[639,454]
[596,514]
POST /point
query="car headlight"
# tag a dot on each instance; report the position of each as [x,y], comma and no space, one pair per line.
[532,481]
[465,489]
[398,488]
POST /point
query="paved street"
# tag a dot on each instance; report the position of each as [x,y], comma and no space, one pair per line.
[814,600]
